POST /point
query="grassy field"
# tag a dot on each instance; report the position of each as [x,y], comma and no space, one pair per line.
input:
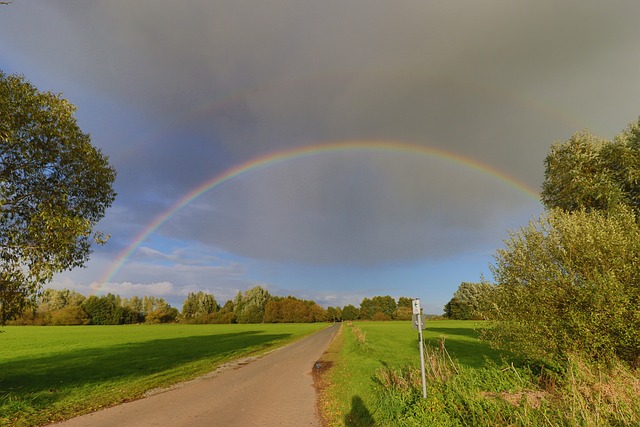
[375,381]
[52,373]
[354,390]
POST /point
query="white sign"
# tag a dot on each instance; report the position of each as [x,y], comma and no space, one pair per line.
[416,306]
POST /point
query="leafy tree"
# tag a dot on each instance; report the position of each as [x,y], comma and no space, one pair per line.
[405,302]
[469,300]
[350,312]
[288,310]
[104,310]
[249,307]
[568,283]
[334,314]
[377,304]
[591,173]
[53,299]
[199,304]
[318,313]
[404,310]
[54,187]
[385,304]
[70,315]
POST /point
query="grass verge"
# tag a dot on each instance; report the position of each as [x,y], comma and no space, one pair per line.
[53,373]
[376,381]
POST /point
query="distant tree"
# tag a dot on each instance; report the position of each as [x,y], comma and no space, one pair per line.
[334,314]
[318,313]
[54,187]
[70,315]
[104,310]
[249,307]
[157,310]
[54,299]
[350,312]
[378,304]
[469,301]
[224,315]
[199,304]
[367,309]
[405,302]
[385,304]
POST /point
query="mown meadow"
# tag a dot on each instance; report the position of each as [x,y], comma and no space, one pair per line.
[53,373]
[375,381]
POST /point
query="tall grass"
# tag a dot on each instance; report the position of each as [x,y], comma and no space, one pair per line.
[467,388]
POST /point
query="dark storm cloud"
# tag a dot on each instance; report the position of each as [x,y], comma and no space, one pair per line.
[178,92]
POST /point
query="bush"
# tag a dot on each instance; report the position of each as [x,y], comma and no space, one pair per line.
[568,284]
[70,315]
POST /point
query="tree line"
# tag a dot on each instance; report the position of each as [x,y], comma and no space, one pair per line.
[255,305]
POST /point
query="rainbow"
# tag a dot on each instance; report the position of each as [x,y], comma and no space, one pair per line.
[301,152]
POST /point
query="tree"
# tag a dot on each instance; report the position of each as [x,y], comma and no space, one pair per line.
[568,283]
[469,301]
[54,187]
[334,314]
[587,172]
[385,304]
[378,304]
[157,310]
[249,307]
[53,299]
[104,310]
[199,304]
[350,312]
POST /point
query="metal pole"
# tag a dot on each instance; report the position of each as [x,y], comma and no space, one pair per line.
[424,381]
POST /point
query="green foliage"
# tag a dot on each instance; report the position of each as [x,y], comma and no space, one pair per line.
[249,307]
[469,301]
[372,346]
[104,310]
[70,315]
[568,283]
[334,314]
[288,310]
[198,305]
[590,173]
[350,312]
[385,305]
[54,187]
[473,387]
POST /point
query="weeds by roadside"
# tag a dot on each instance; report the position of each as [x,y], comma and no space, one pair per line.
[583,395]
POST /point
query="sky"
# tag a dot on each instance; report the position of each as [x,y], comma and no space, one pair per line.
[328,150]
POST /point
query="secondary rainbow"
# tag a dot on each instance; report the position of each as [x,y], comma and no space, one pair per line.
[300,152]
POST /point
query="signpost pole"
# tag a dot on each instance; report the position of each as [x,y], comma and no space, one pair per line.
[418,310]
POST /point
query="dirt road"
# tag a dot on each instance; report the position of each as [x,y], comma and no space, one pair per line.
[275,390]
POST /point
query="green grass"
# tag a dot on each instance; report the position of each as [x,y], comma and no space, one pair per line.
[354,390]
[375,381]
[53,373]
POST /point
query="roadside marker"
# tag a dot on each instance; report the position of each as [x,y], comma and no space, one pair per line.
[419,322]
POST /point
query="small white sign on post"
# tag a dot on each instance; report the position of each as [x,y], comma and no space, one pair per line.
[416,306]
[417,313]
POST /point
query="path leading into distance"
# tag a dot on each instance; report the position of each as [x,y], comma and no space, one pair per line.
[274,390]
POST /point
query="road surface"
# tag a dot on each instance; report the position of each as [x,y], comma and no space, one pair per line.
[274,390]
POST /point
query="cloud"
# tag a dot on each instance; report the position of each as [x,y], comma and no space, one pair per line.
[178,93]
[361,207]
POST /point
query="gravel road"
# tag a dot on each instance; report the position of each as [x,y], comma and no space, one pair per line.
[274,390]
